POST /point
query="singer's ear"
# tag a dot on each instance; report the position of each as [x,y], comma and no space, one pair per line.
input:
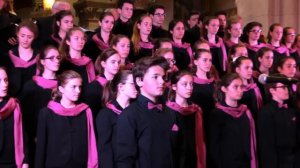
[223,89]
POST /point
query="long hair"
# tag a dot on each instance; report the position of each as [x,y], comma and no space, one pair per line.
[30,25]
[64,48]
[58,17]
[103,57]
[285,34]
[110,90]
[136,38]
[271,29]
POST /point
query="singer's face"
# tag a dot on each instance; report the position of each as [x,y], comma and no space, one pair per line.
[266,60]
[280,93]
[245,70]
[288,68]
[234,91]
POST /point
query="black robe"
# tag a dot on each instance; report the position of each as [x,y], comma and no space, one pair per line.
[158,32]
[61,141]
[123,28]
[228,144]
[143,137]
[276,135]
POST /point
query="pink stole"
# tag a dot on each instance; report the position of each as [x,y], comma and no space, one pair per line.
[187,46]
[221,45]
[203,81]
[236,113]
[18,62]
[90,69]
[13,106]
[282,49]
[101,80]
[259,100]
[255,47]
[199,131]
[58,109]
[45,83]
[100,43]
[113,108]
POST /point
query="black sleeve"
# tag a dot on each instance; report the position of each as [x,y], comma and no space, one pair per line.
[40,154]
[91,49]
[126,141]
[92,96]
[266,137]
[104,133]
[214,140]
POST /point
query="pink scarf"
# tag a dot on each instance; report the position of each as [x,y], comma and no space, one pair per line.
[100,43]
[45,83]
[113,108]
[13,106]
[101,80]
[258,96]
[187,46]
[229,43]
[18,62]
[282,49]
[203,81]
[147,45]
[255,47]
[58,109]
[90,69]
[236,113]
[221,45]
[199,132]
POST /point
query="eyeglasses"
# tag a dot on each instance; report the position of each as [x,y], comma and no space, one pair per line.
[171,61]
[291,34]
[160,14]
[256,31]
[282,87]
[53,57]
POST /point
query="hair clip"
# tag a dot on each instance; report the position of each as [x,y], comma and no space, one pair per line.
[235,58]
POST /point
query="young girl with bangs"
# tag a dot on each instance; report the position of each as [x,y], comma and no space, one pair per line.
[118,94]
[65,132]
[74,59]
[187,131]
[100,40]
[107,66]
[21,61]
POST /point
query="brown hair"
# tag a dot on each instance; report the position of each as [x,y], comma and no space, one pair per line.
[136,38]
[236,63]
[63,79]
[64,48]
[174,80]
[42,56]
[271,29]
[58,17]
[116,39]
[110,90]
[103,57]
[30,26]
[229,26]
[225,81]
[162,51]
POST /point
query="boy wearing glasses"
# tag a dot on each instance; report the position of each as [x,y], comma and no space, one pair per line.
[157,13]
[276,126]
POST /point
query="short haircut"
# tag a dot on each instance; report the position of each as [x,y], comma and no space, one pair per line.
[122,2]
[142,65]
[152,8]
[192,13]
